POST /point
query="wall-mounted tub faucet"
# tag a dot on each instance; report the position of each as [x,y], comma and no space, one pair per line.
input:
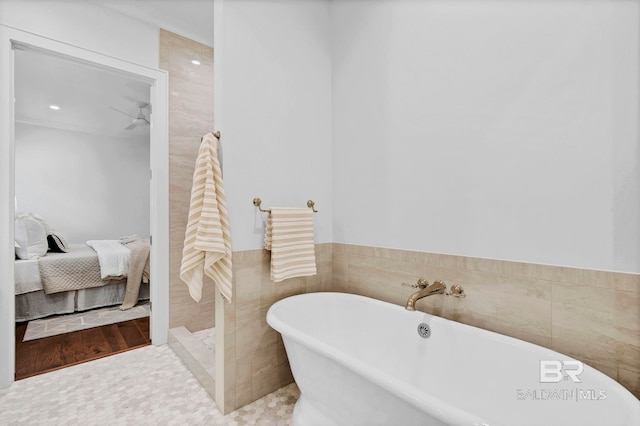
[438,287]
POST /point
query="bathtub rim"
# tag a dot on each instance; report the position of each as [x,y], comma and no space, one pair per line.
[429,403]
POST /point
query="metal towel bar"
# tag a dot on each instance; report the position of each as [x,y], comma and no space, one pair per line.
[258,203]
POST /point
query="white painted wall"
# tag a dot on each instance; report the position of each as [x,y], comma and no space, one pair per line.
[87,186]
[494,129]
[86,25]
[273,105]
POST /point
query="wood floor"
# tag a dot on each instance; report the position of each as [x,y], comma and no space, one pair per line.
[52,353]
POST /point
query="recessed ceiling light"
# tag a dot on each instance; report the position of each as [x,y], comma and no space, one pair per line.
[54,107]
[195,62]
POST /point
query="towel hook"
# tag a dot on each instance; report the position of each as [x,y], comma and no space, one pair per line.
[312,206]
[258,203]
[215,134]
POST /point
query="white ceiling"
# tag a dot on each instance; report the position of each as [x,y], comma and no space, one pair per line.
[190,18]
[85,93]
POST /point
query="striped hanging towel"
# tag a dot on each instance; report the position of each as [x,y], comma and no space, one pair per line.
[207,241]
[289,236]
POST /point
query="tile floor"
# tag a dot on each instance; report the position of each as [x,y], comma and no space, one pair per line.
[147,386]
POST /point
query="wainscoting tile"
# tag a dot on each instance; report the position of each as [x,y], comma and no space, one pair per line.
[246,258]
[611,280]
[535,303]
[243,388]
[404,255]
[269,352]
[441,260]
[507,305]
[411,269]
[250,329]
[361,250]
[248,271]
[608,320]
[288,288]
[340,248]
[322,280]
[325,277]
[243,375]
[340,271]
[610,369]
[479,264]
[626,326]
[630,380]
[227,340]
[517,269]
[626,282]
[260,364]
[270,368]
[382,278]
[324,251]
[202,314]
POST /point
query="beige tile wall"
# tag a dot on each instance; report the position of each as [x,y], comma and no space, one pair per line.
[593,316]
[190,117]
[254,362]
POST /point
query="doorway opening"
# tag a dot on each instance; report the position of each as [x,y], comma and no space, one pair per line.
[75,149]
[82,211]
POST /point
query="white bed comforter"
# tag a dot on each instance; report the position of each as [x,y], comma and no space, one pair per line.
[113,257]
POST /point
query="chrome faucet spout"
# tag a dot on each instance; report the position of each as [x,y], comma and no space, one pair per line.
[438,287]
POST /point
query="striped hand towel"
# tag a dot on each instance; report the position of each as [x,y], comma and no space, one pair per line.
[289,236]
[207,241]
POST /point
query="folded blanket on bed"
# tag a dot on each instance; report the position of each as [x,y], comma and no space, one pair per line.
[138,264]
[75,270]
[113,257]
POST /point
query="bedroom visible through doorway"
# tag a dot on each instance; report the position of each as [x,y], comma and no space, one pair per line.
[82,209]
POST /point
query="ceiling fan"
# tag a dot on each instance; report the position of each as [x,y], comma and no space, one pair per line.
[139,120]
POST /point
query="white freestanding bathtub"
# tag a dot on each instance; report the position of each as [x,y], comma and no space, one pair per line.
[360,361]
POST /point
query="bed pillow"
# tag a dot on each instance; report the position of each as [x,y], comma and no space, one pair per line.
[57,244]
[42,221]
[30,237]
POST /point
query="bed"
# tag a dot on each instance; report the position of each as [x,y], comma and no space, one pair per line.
[62,283]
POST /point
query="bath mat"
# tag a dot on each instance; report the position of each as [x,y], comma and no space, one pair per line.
[47,327]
